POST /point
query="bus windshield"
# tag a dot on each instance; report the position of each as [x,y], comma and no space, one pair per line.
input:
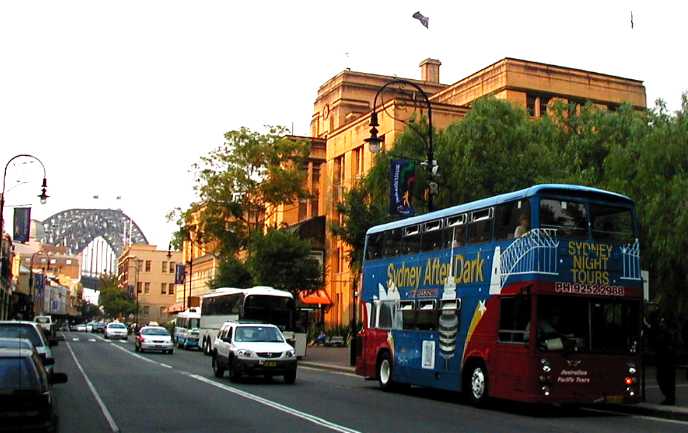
[588,325]
[572,219]
[277,310]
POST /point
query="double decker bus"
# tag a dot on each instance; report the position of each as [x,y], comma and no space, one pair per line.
[450,298]
[261,304]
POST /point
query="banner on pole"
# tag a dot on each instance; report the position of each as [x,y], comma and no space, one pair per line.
[179,274]
[403,176]
[22,224]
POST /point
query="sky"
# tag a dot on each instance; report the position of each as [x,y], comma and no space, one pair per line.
[120,98]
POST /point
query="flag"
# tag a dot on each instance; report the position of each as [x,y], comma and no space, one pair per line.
[423,19]
[22,224]
[403,176]
[179,275]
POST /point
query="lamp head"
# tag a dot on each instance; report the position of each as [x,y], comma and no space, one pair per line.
[44,189]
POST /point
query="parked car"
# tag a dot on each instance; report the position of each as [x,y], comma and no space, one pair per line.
[34,333]
[89,326]
[27,402]
[80,327]
[45,322]
[116,330]
[154,338]
[253,349]
[16,343]
[99,327]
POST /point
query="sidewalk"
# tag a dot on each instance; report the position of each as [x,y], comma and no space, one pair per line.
[337,359]
[328,358]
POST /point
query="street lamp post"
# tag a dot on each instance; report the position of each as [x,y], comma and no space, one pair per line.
[43,195]
[375,142]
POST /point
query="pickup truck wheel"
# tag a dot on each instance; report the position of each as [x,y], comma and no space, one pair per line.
[218,370]
[233,372]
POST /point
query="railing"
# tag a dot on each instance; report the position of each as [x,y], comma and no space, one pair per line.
[630,256]
[533,253]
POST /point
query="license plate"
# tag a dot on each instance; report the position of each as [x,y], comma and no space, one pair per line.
[618,399]
[268,363]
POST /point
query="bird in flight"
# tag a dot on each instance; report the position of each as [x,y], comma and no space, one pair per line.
[422,18]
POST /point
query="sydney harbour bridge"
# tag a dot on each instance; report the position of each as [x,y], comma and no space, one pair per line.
[100,235]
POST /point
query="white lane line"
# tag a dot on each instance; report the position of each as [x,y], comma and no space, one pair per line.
[643,417]
[75,339]
[103,408]
[136,355]
[291,411]
[91,340]
[164,365]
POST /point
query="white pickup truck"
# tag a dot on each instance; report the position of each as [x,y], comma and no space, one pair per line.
[46,323]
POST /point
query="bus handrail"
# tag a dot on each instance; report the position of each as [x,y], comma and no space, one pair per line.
[630,257]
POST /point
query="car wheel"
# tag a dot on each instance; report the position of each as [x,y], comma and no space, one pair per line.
[206,348]
[384,372]
[171,351]
[290,377]
[136,348]
[219,370]
[476,385]
[233,372]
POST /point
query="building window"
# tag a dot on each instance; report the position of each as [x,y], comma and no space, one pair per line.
[146,310]
[163,288]
[315,189]
[170,289]
[530,104]
[544,101]
[138,287]
[148,265]
[172,265]
[146,288]
[357,162]
[164,266]
[338,178]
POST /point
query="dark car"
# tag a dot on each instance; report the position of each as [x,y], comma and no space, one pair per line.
[99,327]
[26,398]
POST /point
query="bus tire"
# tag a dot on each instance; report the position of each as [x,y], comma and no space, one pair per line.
[384,372]
[476,384]
[218,370]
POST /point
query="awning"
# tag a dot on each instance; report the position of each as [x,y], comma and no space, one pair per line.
[318,297]
[175,308]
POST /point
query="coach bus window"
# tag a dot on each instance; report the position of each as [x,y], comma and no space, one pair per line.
[508,216]
[408,314]
[426,319]
[455,233]
[410,239]
[391,246]
[385,320]
[514,319]
[569,218]
[562,324]
[480,227]
[431,238]
[615,326]
[374,246]
[611,223]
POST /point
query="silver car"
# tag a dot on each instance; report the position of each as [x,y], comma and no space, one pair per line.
[34,333]
[154,338]
[116,330]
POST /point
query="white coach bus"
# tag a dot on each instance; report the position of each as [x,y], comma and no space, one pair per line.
[261,304]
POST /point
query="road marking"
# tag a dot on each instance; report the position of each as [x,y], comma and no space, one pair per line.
[75,339]
[644,417]
[91,340]
[103,408]
[680,385]
[291,411]
[164,365]
[136,355]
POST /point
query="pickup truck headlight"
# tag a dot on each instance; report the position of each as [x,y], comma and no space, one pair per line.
[289,354]
[244,353]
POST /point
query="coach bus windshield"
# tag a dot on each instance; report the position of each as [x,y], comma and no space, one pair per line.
[572,218]
[588,325]
[277,310]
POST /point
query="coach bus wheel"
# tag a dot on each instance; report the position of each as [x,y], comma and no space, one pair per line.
[384,372]
[477,384]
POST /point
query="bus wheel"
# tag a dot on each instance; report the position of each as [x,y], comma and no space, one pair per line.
[384,372]
[477,386]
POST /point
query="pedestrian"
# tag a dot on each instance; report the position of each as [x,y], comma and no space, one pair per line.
[667,344]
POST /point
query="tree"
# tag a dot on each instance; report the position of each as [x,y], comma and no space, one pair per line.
[231,273]
[282,260]
[242,181]
[115,300]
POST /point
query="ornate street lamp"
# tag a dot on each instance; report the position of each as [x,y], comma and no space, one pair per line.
[375,142]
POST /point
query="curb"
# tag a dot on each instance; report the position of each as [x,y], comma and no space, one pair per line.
[330,367]
[677,413]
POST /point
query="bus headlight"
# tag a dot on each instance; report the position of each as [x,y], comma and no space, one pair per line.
[244,353]
[544,364]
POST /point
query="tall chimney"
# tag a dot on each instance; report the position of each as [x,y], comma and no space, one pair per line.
[430,70]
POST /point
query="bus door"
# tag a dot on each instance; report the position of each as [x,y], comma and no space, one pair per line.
[512,357]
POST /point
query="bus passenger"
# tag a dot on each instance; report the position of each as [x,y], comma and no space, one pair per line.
[523,226]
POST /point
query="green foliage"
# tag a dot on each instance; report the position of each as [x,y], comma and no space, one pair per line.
[282,260]
[496,148]
[89,311]
[231,273]
[115,301]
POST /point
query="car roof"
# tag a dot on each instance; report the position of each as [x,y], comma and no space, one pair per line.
[153,327]
[6,352]
[248,323]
